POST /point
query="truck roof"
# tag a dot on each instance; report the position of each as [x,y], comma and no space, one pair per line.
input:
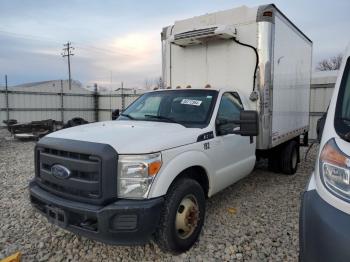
[264,8]
[192,88]
[237,15]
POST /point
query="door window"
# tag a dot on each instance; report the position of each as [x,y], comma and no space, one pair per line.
[230,107]
[342,112]
[229,110]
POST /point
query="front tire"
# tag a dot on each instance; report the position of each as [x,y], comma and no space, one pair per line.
[182,216]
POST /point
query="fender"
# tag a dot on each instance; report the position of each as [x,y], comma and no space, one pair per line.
[174,165]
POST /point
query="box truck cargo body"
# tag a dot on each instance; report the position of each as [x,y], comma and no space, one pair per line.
[236,89]
[212,50]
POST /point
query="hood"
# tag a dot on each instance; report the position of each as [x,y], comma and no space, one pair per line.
[132,137]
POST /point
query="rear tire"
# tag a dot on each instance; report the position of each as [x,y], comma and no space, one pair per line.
[182,216]
[274,161]
[290,156]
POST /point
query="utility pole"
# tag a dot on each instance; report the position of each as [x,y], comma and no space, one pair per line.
[67,52]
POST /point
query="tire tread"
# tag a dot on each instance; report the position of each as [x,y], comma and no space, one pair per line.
[163,235]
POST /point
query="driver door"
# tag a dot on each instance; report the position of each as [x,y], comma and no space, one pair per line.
[234,154]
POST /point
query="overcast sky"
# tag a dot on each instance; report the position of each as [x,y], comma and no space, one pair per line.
[119,40]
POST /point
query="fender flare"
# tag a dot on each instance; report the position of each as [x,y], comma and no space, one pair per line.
[171,170]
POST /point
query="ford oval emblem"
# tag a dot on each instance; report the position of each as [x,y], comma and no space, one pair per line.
[60,171]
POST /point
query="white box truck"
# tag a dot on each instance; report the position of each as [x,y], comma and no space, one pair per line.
[237,88]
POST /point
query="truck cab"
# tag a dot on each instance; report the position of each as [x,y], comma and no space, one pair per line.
[325,205]
[156,164]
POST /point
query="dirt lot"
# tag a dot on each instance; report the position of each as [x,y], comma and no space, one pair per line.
[253,220]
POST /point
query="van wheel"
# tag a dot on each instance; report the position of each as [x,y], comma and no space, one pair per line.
[290,156]
[182,216]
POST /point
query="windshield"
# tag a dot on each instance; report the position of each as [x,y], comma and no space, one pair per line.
[342,113]
[191,108]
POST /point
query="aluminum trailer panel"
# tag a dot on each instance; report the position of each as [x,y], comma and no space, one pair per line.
[291,82]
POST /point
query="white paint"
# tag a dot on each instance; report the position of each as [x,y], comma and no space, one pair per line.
[133,137]
[312,183]
[329,133]
[291,80]
[229,158]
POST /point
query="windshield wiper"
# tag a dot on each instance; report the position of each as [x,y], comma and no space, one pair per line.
[164,118]
[128,116]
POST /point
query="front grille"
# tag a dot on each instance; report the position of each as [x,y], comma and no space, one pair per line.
[84,180]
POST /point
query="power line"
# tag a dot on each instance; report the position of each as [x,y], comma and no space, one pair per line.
[115,51]
[28,37]
[67,52]
[104,50]
[82,46]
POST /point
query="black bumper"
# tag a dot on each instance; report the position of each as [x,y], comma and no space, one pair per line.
[324,230]
[123,222]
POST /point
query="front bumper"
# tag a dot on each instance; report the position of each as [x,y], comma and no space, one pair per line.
[123,222]
[324,230]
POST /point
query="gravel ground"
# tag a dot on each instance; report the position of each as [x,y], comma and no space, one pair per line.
[254,220]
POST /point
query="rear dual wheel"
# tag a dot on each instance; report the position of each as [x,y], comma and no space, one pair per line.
[290,155]
[285,158]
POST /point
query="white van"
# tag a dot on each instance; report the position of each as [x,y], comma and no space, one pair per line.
[325,207]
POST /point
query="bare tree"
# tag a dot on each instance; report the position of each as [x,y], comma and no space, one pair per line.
[332,63]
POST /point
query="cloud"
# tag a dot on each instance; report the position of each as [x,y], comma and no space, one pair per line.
[143,47]
[122,36]
[130,57]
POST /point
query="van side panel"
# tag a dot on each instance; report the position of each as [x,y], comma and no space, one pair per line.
[291,82]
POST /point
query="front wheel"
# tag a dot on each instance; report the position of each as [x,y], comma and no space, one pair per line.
[182,216]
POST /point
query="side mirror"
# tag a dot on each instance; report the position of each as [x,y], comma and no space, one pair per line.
[320,126]
[115,114]
[249,123]
[222,127]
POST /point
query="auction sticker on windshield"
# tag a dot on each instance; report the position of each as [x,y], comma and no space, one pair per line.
[191,102]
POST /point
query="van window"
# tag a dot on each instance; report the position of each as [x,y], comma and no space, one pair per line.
[342,112]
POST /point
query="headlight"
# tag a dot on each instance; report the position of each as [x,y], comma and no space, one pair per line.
[136,174]
[335,170]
